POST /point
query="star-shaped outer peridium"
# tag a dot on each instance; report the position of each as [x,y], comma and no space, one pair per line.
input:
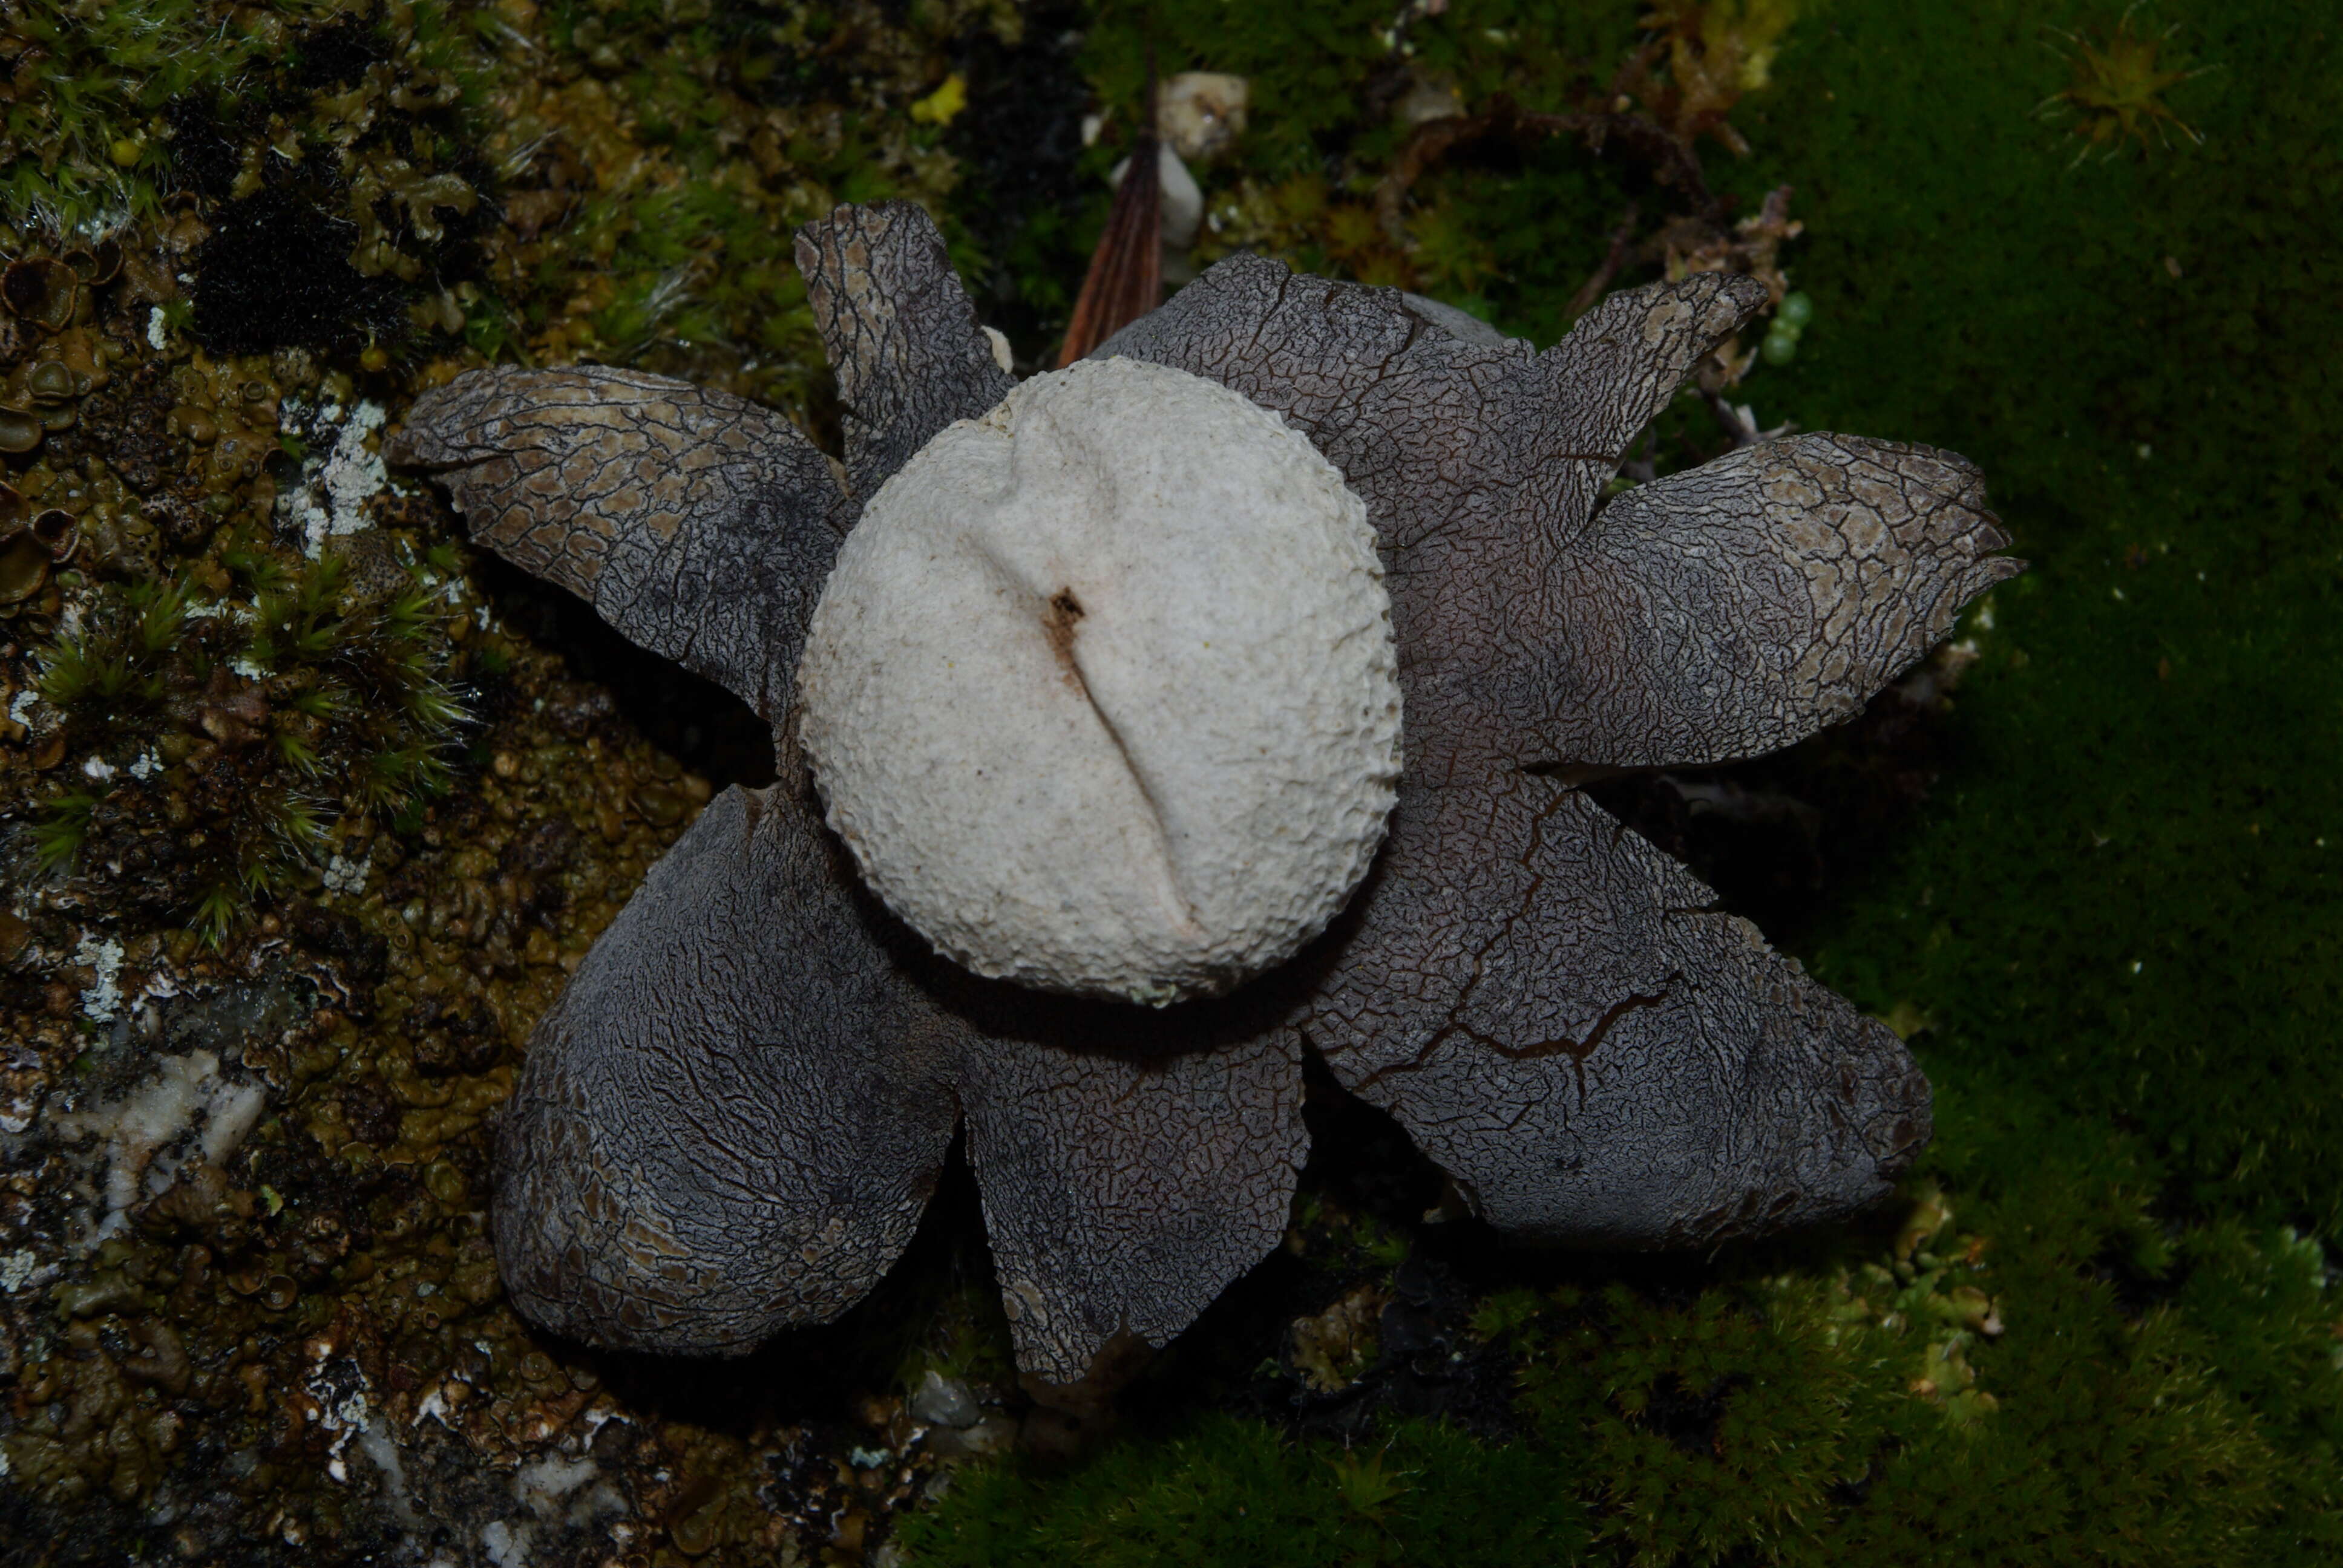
[729,1121]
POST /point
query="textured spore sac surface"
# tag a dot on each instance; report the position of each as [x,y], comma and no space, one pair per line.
[1102,693]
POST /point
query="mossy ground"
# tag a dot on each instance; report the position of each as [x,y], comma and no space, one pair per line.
[2094,888]
[2112,924]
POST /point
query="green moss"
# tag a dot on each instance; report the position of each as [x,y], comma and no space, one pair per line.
[62,828]
[234,735]
[81,138]
[1229,1491]
[2125,890]
[2041,1377]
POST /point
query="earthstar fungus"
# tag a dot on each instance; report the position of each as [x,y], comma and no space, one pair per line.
[729,1121]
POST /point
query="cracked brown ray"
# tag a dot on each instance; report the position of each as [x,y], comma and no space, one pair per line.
[700,526]
[1735,609]
[695,1157]
[1206,1145]
[1560,1018]
[900,334]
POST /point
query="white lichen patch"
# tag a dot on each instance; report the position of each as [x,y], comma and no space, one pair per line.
[506,1543]
[158,332]
[343,875]
[340,1403]
[543,1484]
[186,1111]
[102,997]
[22,1268]
[20,1097]
[98,770]
[557,1492]
[373,1441]
[1102,693]
[331,501]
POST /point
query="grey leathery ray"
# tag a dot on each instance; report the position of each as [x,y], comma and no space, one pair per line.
[698,525]
[732,1119]
[1432,431]
[1479,463]
[1589,1047]
[1621,363]
[1184,1183]
[900,331]
[1737,607]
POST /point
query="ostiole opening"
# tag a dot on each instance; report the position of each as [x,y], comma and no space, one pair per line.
[1058,623]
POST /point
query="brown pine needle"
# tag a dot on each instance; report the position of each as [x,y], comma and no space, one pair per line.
[1125,280]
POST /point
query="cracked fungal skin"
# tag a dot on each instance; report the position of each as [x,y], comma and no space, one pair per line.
[731,1118]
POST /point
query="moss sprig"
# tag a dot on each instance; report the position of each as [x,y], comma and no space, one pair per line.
[286,711]
[79,142]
